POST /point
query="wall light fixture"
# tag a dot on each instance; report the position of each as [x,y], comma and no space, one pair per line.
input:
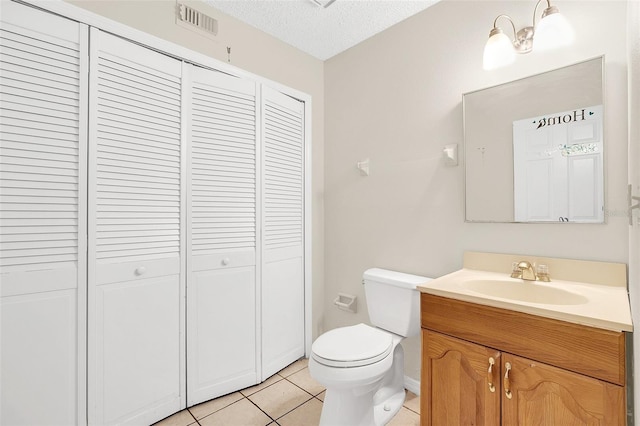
[552,31]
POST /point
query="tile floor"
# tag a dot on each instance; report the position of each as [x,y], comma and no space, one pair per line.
[288,398]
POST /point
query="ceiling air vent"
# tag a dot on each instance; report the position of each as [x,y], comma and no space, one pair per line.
[193,19]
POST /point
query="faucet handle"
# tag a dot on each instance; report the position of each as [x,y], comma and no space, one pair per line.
[516,272]
[542,272]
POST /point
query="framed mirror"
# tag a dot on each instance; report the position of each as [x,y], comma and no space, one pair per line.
[534,148]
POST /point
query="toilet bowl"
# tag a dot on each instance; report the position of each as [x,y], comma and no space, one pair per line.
[362,366]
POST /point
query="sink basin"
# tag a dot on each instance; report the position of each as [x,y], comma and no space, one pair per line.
[524,292]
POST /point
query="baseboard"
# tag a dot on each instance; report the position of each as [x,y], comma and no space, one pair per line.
[412,385]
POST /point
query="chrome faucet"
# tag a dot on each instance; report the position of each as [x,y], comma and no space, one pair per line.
[524,270]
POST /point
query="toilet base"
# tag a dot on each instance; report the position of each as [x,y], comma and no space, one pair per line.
[385,411]
[347,409]
[373,403]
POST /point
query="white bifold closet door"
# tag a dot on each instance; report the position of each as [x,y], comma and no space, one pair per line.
[43,88]
[136,280]
[283,231]
[221,291]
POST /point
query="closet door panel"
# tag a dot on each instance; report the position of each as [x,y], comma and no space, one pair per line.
[140,367]
[221,296]
[222,321]
[43,90]
[39,389]
[136,279]
[283,231]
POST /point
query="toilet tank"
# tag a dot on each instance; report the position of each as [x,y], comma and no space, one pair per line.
[393,300]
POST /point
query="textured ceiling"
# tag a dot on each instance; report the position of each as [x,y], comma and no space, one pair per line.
[321,32]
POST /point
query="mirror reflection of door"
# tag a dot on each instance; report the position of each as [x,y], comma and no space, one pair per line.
[557,161]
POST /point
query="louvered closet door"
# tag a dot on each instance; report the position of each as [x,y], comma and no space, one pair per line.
[283,236]
[43,69]
[221,288]
[136,349]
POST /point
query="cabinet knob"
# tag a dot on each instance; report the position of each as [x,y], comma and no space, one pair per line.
[140,270]
[492,387]
[507,382]
[226,261]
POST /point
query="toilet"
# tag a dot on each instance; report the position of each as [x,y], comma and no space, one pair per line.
[362,366]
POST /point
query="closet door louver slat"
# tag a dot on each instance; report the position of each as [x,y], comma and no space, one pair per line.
[220,115]
[284,176]
[38,176]
[282,233]
[146,175]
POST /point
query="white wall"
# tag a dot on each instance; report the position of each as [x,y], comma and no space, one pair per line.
[397,99]
[255,52]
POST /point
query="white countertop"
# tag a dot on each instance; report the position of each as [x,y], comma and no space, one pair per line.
[606,307]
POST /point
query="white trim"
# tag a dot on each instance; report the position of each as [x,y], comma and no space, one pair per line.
[412,385]
[308,232]
[185,221]
[92,382]
[259,185]
[633,76]
[81,291]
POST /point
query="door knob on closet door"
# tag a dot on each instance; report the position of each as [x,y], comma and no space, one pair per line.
[226,261]
[140,270]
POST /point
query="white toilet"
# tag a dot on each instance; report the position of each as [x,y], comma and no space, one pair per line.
[362,366]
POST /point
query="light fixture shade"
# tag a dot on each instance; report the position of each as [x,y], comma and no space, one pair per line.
[498,52]
[552,31]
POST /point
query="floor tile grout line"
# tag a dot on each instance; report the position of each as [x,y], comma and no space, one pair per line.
[272,420]
[296,407]
[258,407]
[300,387]
[413,411]
[266,387]
[192,416]
[247,397]
[227,406]
[292,373]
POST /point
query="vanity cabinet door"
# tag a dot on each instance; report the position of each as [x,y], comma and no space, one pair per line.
[457,387]
[539,394]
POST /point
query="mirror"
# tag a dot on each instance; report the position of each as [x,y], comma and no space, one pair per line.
[534,148]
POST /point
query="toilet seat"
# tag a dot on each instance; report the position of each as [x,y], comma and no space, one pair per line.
[353,346]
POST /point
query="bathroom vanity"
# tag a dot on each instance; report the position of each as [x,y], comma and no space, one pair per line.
[498,350]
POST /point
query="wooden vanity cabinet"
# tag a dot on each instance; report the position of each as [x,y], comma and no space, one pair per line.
[571,379]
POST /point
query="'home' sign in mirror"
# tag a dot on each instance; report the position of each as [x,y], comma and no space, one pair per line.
[534,148]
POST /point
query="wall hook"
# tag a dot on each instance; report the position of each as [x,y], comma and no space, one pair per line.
[363,166]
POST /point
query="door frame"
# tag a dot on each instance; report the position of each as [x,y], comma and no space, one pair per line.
[633,58]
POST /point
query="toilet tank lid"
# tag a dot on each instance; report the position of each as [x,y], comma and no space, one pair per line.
[399,279]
